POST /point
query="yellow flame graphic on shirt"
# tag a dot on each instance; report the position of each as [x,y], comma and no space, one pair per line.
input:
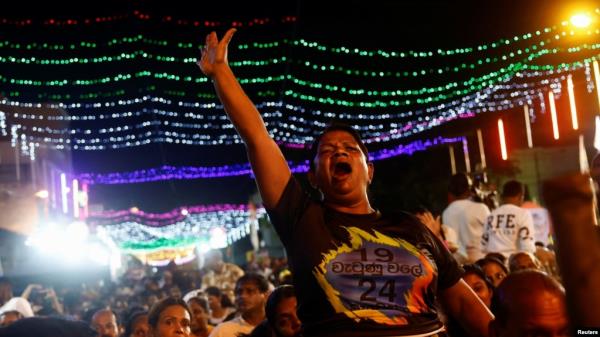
[414,298]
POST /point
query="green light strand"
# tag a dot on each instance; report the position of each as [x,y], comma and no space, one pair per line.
[277,44]
[158,244]
[130,56]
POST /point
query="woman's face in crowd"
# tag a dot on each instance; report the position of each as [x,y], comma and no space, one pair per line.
[287,323]
[140,327]
[214,302]
[480,288]
[494,272]
[200,316]
[174,321]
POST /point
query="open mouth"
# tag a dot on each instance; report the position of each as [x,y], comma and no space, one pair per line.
[341,169]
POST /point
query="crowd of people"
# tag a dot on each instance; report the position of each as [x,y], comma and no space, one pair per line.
[479,269]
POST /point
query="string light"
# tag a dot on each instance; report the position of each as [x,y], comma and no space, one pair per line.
[161,219]
[138,15]
[193,229]
[200,172]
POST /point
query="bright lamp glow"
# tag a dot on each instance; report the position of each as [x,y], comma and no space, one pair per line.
[43,194]
[581,20]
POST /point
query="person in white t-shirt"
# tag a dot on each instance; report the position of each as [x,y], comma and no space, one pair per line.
[466,217]
[251,292]
[509,228]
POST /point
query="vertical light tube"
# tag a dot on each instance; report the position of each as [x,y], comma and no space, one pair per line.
[466,153]
[481,149]
[86,210]
[502,139]
[597,78]
[528,126]
[553,115]
[63,193]
[574,120]
[452,160]
[75,195]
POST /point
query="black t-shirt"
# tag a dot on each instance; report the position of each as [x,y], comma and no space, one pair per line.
[361,275]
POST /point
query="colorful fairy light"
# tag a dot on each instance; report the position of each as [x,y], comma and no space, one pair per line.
[215,228]
[473,102]
[553,115]
[160,219]
[143,17]
[202,172]
[502,139]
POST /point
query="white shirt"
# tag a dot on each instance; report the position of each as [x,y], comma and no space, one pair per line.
[509,229]
[466,218]
[541,224]
[232,328]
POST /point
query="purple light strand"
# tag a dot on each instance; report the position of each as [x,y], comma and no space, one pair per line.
[202,172]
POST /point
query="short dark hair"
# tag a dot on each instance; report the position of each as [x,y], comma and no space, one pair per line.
[261,282]
[280,293]
[491,259]
[213,291]
[335,126]
[459,184]
[160,306]
[519,284]
[200,301]
[129,320]
[216,292]
[512,188]
[475,269]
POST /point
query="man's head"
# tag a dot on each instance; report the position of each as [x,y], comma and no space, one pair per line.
[523,260]
[214,260]
[529,303]
[105,322]
[340,166]
[251,291]
[459,186]
[513,192]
